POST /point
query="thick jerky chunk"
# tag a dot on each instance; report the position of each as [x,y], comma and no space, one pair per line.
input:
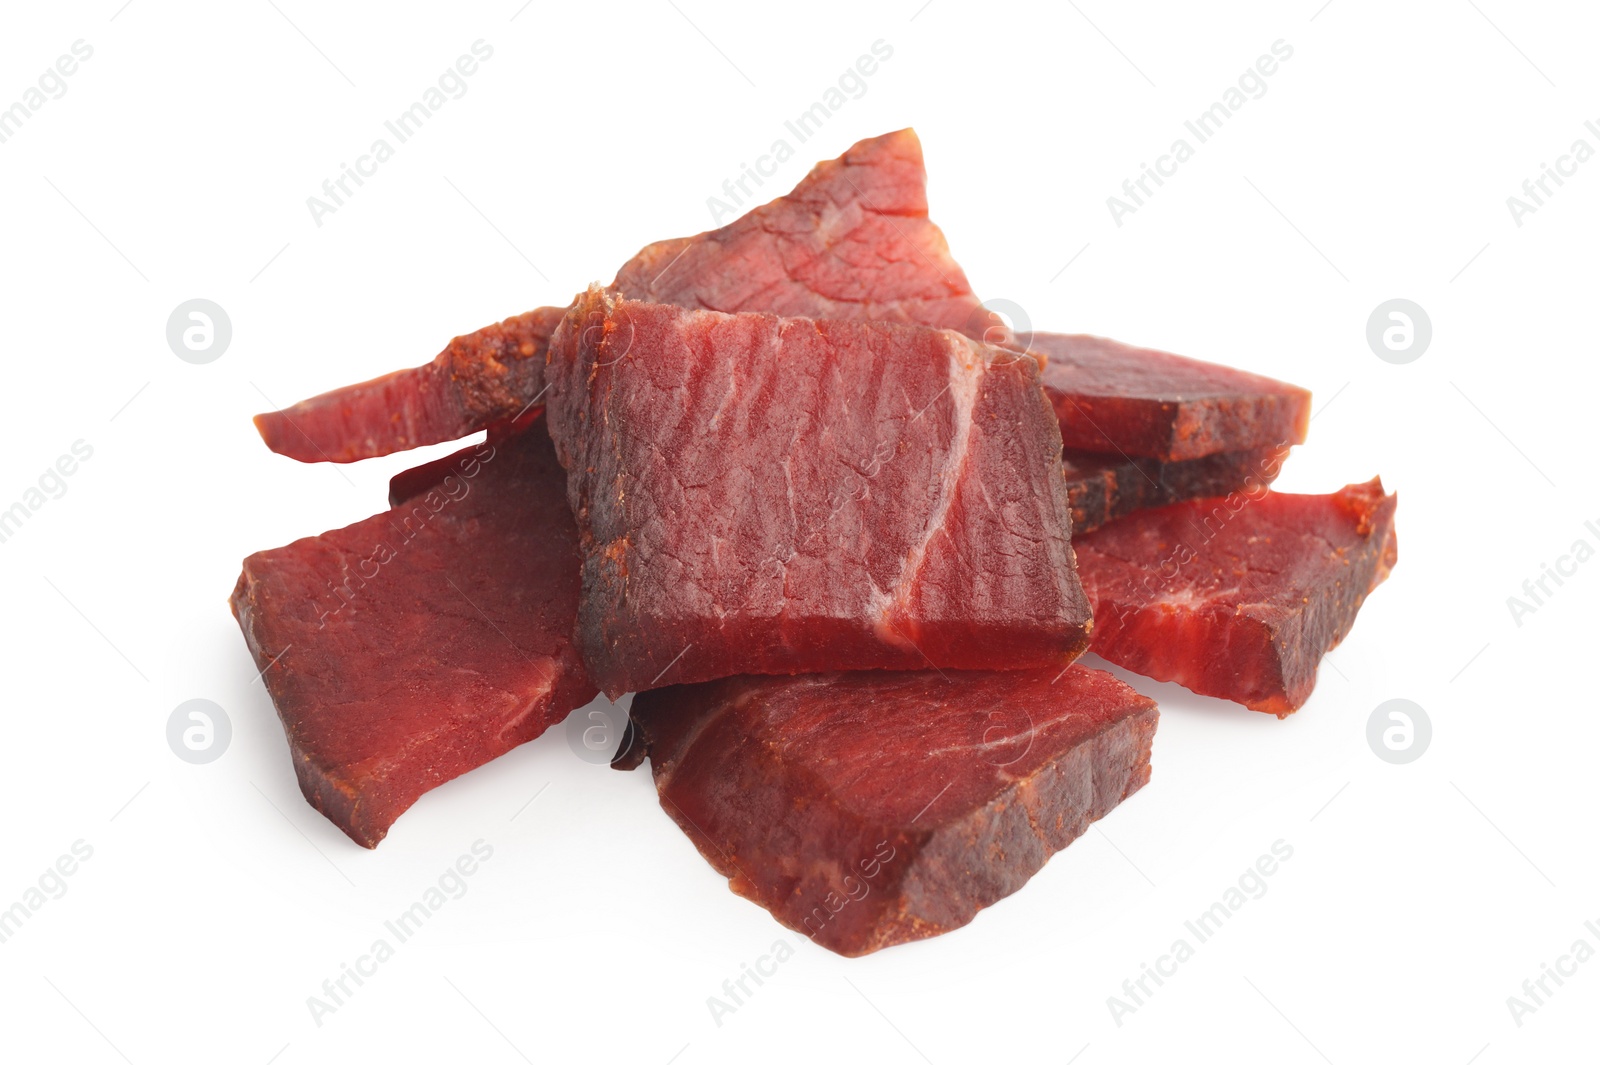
[1102,488]
[1112,397]
[1238,597]
[779,495]
[853,240]
[869,809]
[481,378]
[418,644]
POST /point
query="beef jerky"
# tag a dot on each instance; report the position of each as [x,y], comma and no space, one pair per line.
[869,809]
[1115,398]
[481,378]
[853,240]
[418,644]
[1238,597]
[1102,488]
[760,494]
[444,472]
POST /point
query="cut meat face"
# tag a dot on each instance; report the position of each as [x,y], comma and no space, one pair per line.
[779,495]
[853,240]
[869,809]
[480,379]
[1130,401]
[837,531]
[1102,488]
[1236,597]
[418,644]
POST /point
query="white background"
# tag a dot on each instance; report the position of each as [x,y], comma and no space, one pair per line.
[1377,165]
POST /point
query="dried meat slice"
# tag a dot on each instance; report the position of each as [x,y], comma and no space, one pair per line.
[852,240]
[779,495]
[1238,597]
[869,809]
[418,644]
[481,378]
[1112,397]
[445,472]
[1102,488]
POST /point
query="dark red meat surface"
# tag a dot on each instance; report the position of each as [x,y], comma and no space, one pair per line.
[1112,397]
[869,809]
[1238,597]
[438,474]
[852,240]
[481,378]
[779,495]
[1102,488]
[418,644]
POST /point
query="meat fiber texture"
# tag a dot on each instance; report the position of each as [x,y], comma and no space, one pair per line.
[1238,597]
[481,378]
[1112,397]
[418,644]
[1102,488]
[853,240]
[760,494]
[869,809]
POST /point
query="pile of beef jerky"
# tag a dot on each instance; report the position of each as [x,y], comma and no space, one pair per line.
[842,531]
